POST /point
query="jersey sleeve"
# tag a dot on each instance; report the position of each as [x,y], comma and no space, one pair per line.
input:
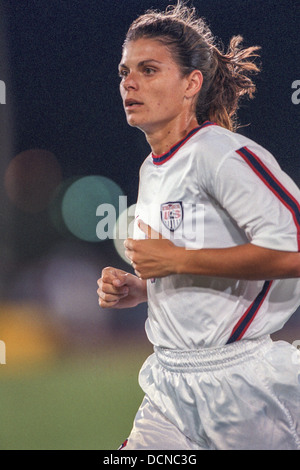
[263,200]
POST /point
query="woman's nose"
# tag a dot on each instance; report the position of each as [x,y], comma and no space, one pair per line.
[130,82]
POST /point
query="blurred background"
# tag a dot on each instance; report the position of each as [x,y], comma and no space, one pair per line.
[70,375]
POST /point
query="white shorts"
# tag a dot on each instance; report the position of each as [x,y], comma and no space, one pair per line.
[243,396]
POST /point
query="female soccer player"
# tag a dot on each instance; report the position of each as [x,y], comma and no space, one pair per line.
[215,250]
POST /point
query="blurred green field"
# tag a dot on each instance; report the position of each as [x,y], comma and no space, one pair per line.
[52,399]
[74,403]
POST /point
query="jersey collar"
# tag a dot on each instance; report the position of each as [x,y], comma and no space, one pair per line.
[160,159]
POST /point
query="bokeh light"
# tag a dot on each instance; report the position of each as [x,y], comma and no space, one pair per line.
[124,229]
[74,206]
[29,333]
[31,179]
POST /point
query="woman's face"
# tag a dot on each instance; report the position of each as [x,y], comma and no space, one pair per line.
[152,86]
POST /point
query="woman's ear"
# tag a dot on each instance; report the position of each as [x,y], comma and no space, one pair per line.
[195,80]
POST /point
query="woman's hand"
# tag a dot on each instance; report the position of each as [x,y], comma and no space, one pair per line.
[119,289]
[153,257]
[159,257]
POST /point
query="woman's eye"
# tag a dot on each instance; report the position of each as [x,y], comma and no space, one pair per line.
[123,73]
[149,71]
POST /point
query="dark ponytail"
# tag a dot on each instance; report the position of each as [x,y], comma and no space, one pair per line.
[226,76]
[229,83]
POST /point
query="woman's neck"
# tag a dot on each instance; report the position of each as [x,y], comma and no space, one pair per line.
[163,139]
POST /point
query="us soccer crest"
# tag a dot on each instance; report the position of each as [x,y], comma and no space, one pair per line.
[171,214]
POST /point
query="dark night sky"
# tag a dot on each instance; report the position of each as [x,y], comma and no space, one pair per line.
[63,84]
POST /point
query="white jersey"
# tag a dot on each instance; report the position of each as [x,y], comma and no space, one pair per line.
[218,189]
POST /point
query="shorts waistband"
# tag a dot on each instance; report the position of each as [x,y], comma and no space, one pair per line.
[208,359]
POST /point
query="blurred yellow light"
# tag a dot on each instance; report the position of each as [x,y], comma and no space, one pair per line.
[28,335]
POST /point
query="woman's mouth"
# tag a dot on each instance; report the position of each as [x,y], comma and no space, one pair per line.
[132,104]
